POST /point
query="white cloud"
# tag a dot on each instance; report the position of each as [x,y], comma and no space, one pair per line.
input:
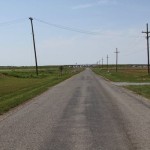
[83,6]
[107,2]
[99,2]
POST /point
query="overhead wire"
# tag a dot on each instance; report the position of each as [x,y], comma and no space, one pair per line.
[81,30]
[67,27]
[64,28]
[134,47]
[134,43]
[137,47]
[93,33]
[12,22]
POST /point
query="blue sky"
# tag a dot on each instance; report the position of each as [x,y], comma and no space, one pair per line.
[119,24]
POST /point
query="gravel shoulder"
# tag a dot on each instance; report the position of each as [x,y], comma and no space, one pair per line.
[129,83]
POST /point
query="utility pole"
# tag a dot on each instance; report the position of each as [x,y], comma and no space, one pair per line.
[116,59]
[102,62]
[31,19]
[147,38]
[99,63]
[107,62]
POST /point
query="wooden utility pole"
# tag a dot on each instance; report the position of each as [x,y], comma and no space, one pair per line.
[102,62]
[31,19]
[107,62]
[147,38]
[99,63]
[116,59]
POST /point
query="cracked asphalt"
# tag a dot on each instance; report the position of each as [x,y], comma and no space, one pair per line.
[84,112]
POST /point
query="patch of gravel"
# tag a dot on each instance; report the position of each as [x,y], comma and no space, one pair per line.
[128,83]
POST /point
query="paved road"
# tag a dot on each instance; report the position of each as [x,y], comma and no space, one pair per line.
[82,113]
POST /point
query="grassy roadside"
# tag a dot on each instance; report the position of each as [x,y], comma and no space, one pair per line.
[21,85]
[128,75]
[124,75]
[143,90]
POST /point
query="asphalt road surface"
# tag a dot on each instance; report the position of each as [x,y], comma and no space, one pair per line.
[84,112]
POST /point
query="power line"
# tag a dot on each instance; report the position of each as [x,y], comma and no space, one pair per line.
[12,22]
[134,48]
[81,30]
[67,28]
[132,53]
[64,28]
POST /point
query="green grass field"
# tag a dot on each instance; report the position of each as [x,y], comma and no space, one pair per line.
[124,74]
[128,74]
[143,90]
[18,85]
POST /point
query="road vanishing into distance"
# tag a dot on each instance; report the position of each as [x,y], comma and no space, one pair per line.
[84,112]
